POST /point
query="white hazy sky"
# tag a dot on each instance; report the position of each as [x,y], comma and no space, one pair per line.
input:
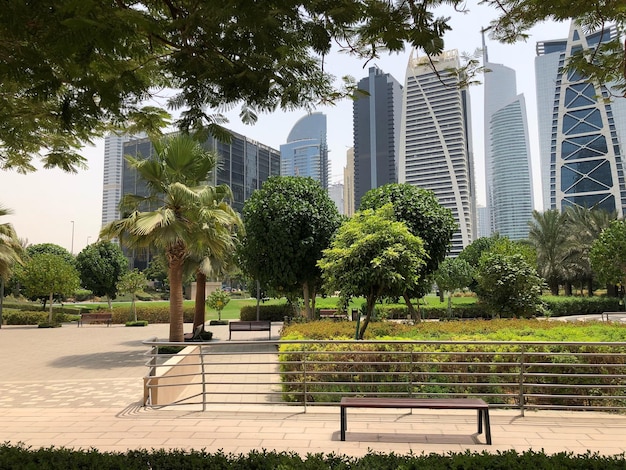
[50,206]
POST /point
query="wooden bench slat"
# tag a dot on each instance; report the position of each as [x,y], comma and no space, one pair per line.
[96,317]
[255,325]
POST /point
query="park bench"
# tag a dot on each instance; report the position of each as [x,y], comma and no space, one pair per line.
[331,314]
[429,403]
[261,325]
[95,317]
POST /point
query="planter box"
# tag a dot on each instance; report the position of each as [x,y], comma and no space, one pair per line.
[172,378]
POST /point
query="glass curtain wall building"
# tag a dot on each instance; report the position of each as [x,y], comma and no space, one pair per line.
[435,141]
[581,131]
[507,154]
[376,122]
[243,164]
[306,150]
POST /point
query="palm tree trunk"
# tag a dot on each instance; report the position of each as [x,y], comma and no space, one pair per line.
[200,301]
[176,298]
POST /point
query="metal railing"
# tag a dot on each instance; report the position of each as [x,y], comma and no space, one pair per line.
[523,375]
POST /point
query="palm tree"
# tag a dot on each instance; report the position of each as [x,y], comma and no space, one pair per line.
[10,253]
[585,226]
[185,207]
[549,236]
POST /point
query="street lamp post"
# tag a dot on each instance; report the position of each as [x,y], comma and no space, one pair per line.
[72,248]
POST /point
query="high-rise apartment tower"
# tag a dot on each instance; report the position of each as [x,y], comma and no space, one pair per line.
[435,142]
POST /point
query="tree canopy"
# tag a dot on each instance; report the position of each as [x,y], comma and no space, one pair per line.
[288,223]
[100,266]
[608,253]
[420,210]
[373,255]
[46,275]
[70,70]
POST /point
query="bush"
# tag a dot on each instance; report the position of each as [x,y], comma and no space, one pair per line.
[21,457]
[24,317]
[152,313]
[81,295]
[562,306]
[266,312]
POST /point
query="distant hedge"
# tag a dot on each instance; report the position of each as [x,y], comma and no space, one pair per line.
[266,312]
[22,458]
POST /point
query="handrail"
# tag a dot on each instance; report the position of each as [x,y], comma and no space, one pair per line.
[522,375]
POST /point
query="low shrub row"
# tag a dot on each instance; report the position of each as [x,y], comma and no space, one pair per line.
[266,312]
[20,457]
[470,358]
[24,317]
[562,306]
[152,313]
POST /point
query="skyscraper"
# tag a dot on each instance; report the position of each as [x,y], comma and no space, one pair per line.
[243,164]
[306,150]
[435,142]
[507,154]
[348,183]
[376,120]
[581,132]
[112,177]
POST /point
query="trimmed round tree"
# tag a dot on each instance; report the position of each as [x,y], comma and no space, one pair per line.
[101,265]
[288,222]
[372,256]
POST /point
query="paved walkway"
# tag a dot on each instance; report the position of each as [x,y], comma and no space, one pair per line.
[82,387]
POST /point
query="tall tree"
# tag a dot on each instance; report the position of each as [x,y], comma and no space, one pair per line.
[132,282]
[185,207]
[585,226]
[46,275]
[420,210]
[101,265]
[288,223]
[373,255]
[608,254]
[10,253]
[549,235]
[453,274]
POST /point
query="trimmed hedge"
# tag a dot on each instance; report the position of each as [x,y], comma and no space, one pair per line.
[23,317]
[152,313]
[266,312]
[562,306]
[21,458]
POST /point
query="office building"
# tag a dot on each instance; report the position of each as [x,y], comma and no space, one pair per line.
[435,141]
[508,177]
[581,130]
[376,123]
[243,164]
[335,192]
[112,177]
[348,184]
[306,150]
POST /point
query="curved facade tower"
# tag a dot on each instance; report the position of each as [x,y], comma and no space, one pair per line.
[507,154]
[581,131]
[306,150]
[435,140]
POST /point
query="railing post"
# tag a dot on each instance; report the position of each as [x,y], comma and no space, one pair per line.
[411,375]
[522,367]
[304,378]
[203,378]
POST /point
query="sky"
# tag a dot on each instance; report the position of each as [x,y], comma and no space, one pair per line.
[50,206]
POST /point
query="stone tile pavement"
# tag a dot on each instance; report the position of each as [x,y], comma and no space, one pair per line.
[82,388]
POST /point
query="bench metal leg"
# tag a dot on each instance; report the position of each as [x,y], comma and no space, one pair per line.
[344,423]
[487,426]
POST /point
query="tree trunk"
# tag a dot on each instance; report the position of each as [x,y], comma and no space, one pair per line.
[414,314]
[50,313]
[133,307]
[307,304]
[1,298]
[567,287]
[371,303]
[554,288]
[199,314]
[109,302]
[175,258]
[590,286]
[449,304]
